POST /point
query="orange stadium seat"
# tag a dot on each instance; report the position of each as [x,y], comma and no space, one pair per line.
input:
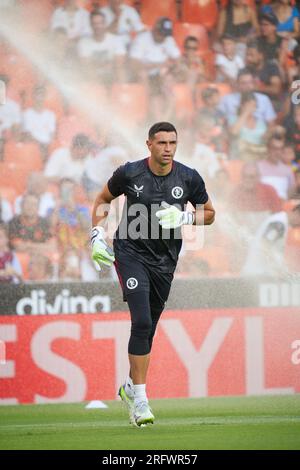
[182,30]
[130,102]
[183,99]
[22,76]
[25,155]
[200,12]
[151,11]
[69,125]
[37,14]
[224,89]
[24,262]
[15,175]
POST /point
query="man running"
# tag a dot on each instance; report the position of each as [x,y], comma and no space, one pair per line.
[147,244]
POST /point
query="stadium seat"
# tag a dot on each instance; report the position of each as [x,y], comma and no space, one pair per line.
[130,102]
[183,100]
[199,12]
[16,176]
[182,30]
[223,88]
[37,14]
[23,259]
[150,12]
[23,155]
[69,125]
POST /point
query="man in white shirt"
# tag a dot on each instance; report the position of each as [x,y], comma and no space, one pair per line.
[154,50]
[38,121]
[230,104]
[228,62]
[10,111]
[103,53]
[75,20]
[69,162]
[122,19]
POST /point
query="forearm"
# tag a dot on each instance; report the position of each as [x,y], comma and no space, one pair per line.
[100,211]
[204,216]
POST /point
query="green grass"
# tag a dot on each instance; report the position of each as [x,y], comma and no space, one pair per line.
[271,422]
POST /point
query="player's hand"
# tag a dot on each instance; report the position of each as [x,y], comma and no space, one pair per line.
[101,252]
[170,217]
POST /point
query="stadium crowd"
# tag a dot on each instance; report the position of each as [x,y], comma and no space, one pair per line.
[225,72]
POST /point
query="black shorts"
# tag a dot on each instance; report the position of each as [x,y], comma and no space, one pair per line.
[135,276]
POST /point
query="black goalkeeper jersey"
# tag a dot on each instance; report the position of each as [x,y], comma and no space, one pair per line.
[139,233]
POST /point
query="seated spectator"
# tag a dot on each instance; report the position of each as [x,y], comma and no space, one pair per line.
[295,194]
[267,248]
[28,232]
[288,155]
[103,53]
[99,169]
[10,268]
[40,268]
[274,172]
[70,220]
[211,98]
[190,68]
[69,162]
[273,46]
[37,185]
[122,20]
[230,104]
[75,20]
[238,20]
[266,73]
[247,130]
[287,15]
[6,213]
[228,62]
[293,132]
[38,121]
[69,267]
[153,52]
[203,157]
[10,112]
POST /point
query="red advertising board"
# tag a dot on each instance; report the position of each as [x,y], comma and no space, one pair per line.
[196,353]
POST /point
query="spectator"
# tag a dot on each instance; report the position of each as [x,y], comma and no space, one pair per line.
[267,248]
[274,172]
[293,132]
[6,213]
[247,130]
[271,44]
[98,170]
[295,194]
[266,74]
[10,112]
[38,121]
[190,68]
[69,162]
[228,62]
[288,155]
[69,269]
[102,53]
[75,20]
[230,103]
[40,268]
[37,185]
[238,20]
[122,20]
[152,52]
[70,220]
[10,268]
[28,232]
[287,15]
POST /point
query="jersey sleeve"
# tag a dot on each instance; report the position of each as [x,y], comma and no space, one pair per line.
[116,184]
[198,194]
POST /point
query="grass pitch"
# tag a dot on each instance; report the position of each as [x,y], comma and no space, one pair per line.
[271,422]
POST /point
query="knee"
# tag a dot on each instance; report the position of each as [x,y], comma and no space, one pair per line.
[142,327]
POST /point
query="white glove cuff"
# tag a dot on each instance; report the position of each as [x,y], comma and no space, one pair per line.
[189,218]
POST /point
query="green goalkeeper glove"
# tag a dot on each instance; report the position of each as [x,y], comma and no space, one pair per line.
[101,252]
[171,217]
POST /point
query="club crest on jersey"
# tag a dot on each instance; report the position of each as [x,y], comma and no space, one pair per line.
[138,190]
[132,283]
[177,192]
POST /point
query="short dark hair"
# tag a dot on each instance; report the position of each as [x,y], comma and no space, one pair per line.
[96,13]
[190,38]
[244,71]
[161,127]
[296,209]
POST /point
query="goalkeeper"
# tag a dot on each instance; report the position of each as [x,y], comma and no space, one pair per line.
[147,244]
